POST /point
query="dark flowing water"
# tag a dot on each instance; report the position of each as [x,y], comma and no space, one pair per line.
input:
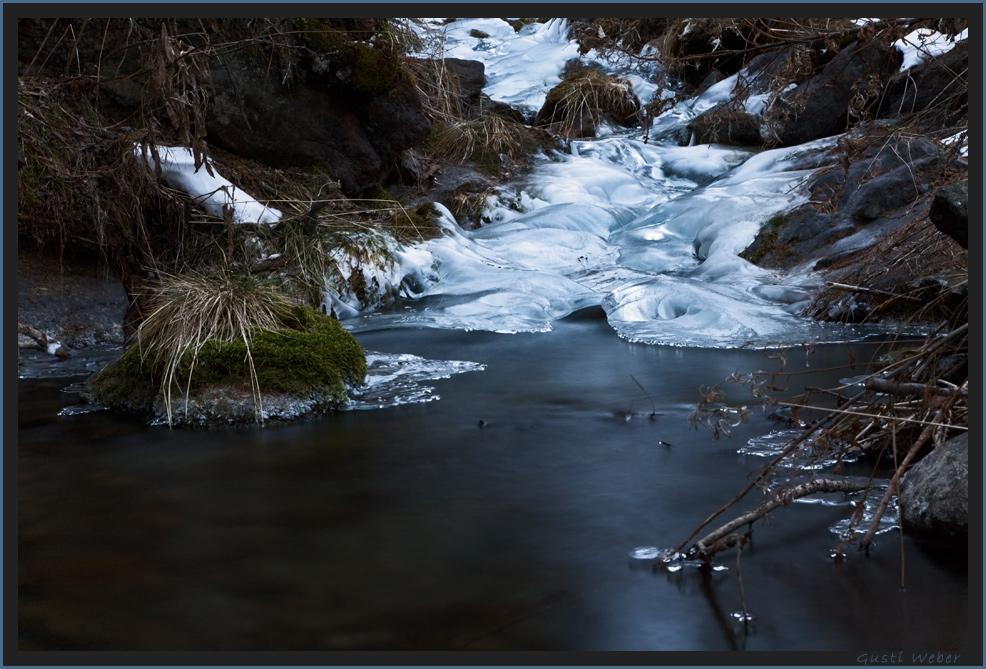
[416,528]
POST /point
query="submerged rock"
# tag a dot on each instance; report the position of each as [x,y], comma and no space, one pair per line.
[934,494]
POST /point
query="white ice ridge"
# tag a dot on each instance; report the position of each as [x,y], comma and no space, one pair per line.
[210,190]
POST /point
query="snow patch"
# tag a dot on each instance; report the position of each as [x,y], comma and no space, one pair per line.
[211,191]
[924,43]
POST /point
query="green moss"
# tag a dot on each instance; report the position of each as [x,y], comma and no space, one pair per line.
[766,240]
[318,358]
[315,358]
[520,23]
[417,223]
[129,384]
[363,59]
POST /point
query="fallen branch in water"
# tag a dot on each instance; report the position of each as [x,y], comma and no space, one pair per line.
[51,346]
[720,539]
[764,472]
[847,412]
[912,389]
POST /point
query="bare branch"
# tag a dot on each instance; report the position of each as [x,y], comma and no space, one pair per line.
[711,543]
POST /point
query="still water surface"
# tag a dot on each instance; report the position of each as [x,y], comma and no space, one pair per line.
[415,527]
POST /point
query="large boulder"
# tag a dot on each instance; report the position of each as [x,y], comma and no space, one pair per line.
[935,93]
[357,135]
[305,367]
[934,494]
[874,180]
[878,174]
[890,180]
[820,106]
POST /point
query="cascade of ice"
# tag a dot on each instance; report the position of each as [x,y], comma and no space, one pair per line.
[650,232]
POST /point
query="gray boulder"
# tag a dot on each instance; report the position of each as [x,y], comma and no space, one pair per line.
[471,75]
[950,211]
[934,494]
[820,106]
[935,93]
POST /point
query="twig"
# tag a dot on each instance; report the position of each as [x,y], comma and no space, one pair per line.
[763,472]
[653,410]
[51,346]
[739,579]
[872,291]
[872,415]
[893,445]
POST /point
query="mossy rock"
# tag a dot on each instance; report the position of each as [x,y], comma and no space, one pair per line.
[765,241]
[299,370]
[360,57]
[722,125]
[517,24]
[581,101]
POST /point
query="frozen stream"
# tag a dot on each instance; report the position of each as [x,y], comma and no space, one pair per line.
[527,450]
[650,232]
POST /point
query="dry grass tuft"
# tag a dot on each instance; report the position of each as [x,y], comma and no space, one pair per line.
[490,141]
[575,107]
[189,310]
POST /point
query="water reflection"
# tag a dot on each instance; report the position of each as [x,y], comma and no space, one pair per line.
[413,527]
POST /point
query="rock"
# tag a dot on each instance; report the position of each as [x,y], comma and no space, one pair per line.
[713,78]
[489,106]
[580,102]
[687,38]
[878,174]
[786,64]
[950,211]
[886,192]
[934,494]
[808,230]
[74,298]
[358,138]
[721,125]
[298,370]
[820,106]
[935,92]
[471,75]
[300,93]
